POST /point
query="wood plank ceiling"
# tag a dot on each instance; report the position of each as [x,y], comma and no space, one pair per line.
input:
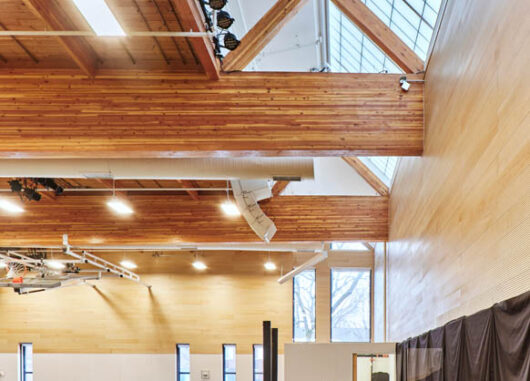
[135,97]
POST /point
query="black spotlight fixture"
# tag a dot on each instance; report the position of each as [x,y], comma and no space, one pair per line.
[224,21]
[230,41]
[32,194]
[50,184]
[15,185]
[217,4]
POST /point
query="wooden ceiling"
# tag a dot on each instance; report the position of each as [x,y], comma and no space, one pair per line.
[174,219]
[138,53]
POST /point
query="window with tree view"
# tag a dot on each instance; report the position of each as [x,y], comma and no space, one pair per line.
[304,306]
[350,305]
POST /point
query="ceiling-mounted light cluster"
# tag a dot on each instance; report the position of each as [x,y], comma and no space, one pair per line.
[219,21]
[27,188]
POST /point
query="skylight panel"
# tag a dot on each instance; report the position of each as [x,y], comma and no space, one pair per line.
[412,20]
[382,166]
[351,51]
[99,17]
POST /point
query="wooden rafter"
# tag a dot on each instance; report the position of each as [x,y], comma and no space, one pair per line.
[261,34]
[56,19]
[365,172]
[279,187]
[190,184]
[192,19]
[381,35]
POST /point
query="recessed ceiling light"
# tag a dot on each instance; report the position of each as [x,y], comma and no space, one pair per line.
[199,265]
[128,264]
[270,266]
[56,265]
[100,18]
[119,206]
[230,209]
[10,206]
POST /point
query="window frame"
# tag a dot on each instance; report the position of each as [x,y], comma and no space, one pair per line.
[225,373]
[22,375]
[370,297]
[178,371]
[254,372]
[293,310]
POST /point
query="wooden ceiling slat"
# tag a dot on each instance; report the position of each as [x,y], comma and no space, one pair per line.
[272,114]
[174,219]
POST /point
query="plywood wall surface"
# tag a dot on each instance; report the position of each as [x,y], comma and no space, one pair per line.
[460,215]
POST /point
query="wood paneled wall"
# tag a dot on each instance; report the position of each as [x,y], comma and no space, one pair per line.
[225,304]
[272,114]
[460,215]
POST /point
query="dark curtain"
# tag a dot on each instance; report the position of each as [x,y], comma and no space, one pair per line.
[491,345]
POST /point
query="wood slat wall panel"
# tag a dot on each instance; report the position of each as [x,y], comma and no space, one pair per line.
[460,216]
[274,114]
[173,219]
[225,304]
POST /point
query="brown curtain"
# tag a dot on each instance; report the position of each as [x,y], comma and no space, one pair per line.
[491,345]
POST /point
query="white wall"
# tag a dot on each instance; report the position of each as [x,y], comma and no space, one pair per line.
[124,367]
[327,362]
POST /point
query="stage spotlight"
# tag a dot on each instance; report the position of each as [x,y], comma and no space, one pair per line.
[405,85]
[50,184]
[32,194]
[224,21]
[230,41]
[217,4]
[15,186]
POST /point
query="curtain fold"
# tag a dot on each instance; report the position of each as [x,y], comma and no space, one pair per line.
[490,345]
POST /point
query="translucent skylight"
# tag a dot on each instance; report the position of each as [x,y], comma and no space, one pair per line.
[350,50]
[412,20]
[382,166]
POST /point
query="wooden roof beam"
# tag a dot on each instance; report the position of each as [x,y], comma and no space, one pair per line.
[261,34]
[365,172]
[192,19]
[279,187]
[56,19]
[190,184]
[381,35]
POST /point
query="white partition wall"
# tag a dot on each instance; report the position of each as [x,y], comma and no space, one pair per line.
[124,367]
[328,362]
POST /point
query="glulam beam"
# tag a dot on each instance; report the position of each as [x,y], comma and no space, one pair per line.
[264,114]
[261,34]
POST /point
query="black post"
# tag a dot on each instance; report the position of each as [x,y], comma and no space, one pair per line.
[267,351]
[274,350]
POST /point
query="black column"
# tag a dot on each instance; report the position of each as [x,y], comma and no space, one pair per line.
[267,351]
[274,350]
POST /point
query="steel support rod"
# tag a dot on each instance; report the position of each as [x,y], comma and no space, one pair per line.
[82,33]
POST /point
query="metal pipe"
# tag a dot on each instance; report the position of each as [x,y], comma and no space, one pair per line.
[83,33]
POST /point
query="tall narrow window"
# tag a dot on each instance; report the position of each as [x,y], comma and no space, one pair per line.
[350,305]
[304,306]
[257,355]
[183,362]
[25,354]
[229,362]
